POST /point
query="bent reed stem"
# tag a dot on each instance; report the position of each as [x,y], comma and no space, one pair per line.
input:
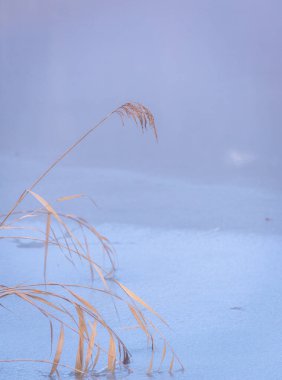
[54,163]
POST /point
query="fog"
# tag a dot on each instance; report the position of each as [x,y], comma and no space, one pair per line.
[210,71]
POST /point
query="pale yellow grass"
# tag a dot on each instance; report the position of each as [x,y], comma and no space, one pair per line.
[62,303]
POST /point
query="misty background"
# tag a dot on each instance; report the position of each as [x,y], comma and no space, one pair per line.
[210,71]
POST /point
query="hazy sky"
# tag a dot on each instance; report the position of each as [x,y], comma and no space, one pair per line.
[209,70]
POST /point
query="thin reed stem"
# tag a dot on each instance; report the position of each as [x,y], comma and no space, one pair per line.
[60,158]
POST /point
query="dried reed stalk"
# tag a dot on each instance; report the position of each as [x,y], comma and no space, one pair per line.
[140,114]
[61,303]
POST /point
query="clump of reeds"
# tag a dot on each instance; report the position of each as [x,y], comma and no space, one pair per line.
[63,304]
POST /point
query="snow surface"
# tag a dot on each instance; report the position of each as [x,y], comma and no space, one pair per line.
[206,256]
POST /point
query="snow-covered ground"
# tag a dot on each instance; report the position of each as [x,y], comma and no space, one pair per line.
[207,257]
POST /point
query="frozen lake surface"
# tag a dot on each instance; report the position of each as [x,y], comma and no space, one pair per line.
[206,256]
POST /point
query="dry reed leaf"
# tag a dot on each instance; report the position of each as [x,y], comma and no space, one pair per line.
[80,254]
[48,224]
[56,239]
[27,299]
[90,345]
[85,303]
[149,370]
[100,274]
[51,337]
[163,355]
[139,300]
[47,206]
[96,357]
[58,351]
[83,223]
[171,364]
[89,257]
[70,197]
[50,209]
[81,330]
[138,319]
[43,300]
[58,374]
[111,354]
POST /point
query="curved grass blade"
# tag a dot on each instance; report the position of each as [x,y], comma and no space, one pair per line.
[70,197]
[96,357]
[48,225]
[112,354]
[58,351]
[163,355]
[149,370]
[139,300]
[171,364]
[81,330]
[90,345]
